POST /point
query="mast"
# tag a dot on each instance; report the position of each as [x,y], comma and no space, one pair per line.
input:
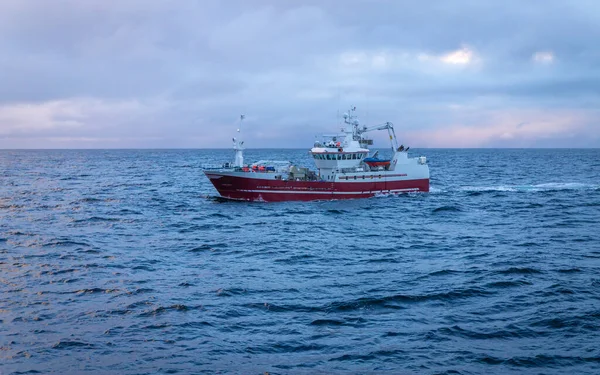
[238,146]
[351,122]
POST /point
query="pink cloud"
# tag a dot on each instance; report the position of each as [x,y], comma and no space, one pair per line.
[516,128]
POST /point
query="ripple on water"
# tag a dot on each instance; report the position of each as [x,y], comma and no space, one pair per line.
[70,344]
[130,265]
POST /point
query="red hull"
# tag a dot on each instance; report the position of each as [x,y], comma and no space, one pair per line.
[251,189]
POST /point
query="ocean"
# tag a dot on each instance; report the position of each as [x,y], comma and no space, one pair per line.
[123,262]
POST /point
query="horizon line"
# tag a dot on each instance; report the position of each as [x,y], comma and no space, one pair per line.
[293,148]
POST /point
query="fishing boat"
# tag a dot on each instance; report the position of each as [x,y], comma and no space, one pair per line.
[344,170]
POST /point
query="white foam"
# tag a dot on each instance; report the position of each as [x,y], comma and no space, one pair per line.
[565,186]
[550,186]
[487,188]
[433,189]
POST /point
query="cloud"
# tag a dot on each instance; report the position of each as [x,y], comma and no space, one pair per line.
[543,57]
[145,73]
[461,56]
[515,128]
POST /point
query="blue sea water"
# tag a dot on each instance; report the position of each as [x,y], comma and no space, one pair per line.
[122,262]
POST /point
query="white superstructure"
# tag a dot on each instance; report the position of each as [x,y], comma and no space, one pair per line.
[343,153]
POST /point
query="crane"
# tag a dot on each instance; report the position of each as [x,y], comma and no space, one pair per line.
[385,126]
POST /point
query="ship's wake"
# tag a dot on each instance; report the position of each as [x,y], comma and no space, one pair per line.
[546,187]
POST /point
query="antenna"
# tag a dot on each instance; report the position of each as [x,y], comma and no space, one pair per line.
[242,117]
[339,94]
[367,122]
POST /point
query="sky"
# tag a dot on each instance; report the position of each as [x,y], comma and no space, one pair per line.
[170,74]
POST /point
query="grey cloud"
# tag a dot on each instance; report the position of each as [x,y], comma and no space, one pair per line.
[283,64]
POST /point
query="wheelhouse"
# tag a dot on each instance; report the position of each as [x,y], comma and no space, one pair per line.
[339,155]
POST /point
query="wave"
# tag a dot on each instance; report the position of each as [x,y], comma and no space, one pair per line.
[64,242]
[569,270]
[326,322]
[71,344]
[94,219]
[392,301]
[201,324]
[446,209]
[506,284]
[519,271]
[95,291]
[509,332]
[443,272]
[549,361]
[142,290]
[231,292]
[207,247]
[550,186]
[370,356]
[162,309]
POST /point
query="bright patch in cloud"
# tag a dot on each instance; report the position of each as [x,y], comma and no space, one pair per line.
[543,57]
[461,56]
[353,58]
[366,59]
[380,61]
[67,115]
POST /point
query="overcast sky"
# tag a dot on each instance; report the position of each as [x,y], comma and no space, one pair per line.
[153,73]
